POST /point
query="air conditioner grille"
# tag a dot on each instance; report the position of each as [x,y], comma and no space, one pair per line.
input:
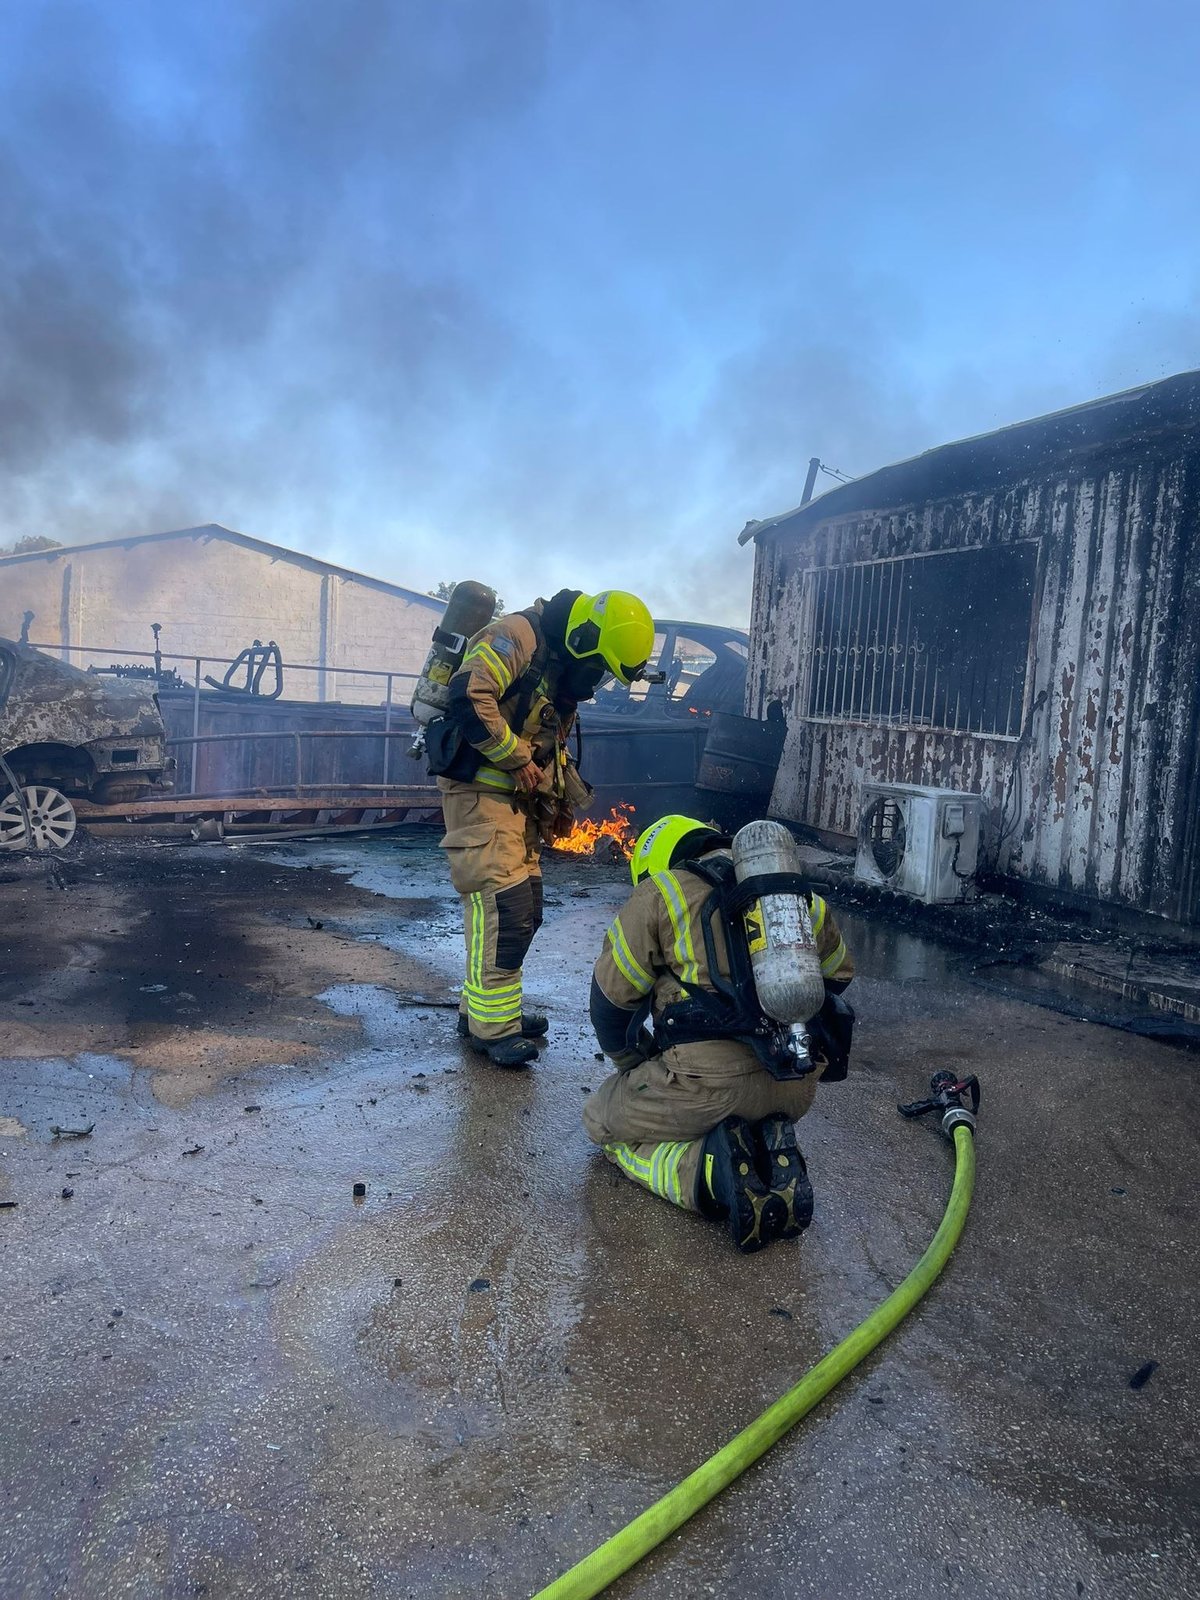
[886,834]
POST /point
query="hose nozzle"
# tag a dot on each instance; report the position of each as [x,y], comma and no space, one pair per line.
[946,1094]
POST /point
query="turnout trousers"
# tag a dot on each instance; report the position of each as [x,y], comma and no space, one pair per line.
[651,1121]
[493,849]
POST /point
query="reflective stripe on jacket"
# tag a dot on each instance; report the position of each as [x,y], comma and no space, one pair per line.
[654,946]
[496,658]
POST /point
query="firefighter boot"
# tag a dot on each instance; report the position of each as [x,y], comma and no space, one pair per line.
[533,1025]
[755,1213]
[510,1051]
[783,1169]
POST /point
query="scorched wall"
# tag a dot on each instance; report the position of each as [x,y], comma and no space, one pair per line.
[1097,795]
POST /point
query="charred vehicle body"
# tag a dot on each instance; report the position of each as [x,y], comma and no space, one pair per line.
[67,734]
[674,739]
[648,745]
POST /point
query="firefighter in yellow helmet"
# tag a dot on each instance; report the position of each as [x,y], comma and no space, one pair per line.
[700,1109]
[509,786]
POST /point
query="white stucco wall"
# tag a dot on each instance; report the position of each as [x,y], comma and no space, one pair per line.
[214,596]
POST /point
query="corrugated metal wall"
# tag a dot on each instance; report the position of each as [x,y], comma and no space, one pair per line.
[1100,796]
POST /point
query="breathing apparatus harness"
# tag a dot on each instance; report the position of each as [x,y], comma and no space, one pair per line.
[448,752]
[734,1011]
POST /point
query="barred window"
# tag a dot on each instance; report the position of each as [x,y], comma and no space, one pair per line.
[933,641]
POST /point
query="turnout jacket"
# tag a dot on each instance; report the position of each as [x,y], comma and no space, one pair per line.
[655,946]
[486,703]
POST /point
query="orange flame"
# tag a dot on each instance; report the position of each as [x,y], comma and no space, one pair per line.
[618,826]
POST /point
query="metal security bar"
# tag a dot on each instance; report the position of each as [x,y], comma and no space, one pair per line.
[924,641]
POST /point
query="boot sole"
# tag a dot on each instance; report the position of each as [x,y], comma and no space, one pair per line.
[761,1219]
[759,1214]
[479,1046]
[796,1198]
[788,1178]
[536,1036]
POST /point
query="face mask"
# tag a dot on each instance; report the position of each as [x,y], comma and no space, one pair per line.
[581,679]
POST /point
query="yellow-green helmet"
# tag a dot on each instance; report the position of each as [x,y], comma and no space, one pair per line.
[614,626]
[671,838]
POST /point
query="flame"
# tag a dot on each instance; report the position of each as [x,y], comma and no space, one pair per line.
[617,825]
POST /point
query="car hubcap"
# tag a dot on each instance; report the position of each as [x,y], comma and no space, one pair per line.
[51,820]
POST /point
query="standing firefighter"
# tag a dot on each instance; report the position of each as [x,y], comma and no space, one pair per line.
[508,784]
[701,1109]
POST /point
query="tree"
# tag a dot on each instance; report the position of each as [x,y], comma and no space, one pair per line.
[445,590]
[30,543]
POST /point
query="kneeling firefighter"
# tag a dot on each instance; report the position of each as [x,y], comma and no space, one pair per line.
[500,754]
[707,972]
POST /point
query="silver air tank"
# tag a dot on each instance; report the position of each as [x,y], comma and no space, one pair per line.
[783,948]
[470,608]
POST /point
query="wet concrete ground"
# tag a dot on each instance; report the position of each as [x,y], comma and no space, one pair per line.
[220,1375]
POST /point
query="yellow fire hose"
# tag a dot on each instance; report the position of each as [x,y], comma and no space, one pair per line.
[596,1571]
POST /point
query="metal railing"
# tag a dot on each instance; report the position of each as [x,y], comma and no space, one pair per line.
[396,688]
[386,676]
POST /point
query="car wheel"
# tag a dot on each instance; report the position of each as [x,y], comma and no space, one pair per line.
[51,819]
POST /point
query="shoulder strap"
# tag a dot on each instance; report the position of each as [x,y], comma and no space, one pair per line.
[717,871]
[525,685]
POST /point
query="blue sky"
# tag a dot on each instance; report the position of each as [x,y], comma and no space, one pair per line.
[559,291]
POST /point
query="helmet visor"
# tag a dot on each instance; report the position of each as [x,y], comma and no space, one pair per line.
[584,640]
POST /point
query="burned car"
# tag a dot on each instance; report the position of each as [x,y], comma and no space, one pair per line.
[67,734]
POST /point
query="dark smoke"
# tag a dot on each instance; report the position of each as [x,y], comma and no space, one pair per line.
[186,285]
[224,296]
[259,266]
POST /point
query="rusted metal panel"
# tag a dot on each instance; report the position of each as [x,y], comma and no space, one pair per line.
[762,611]
[1099,794]
[1116,591]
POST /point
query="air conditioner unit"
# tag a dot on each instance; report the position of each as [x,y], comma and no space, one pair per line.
[919,842]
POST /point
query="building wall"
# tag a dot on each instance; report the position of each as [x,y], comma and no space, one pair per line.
[214,597]
[1100,795]
[371,628]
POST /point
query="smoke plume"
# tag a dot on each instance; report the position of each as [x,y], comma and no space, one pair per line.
[543,294]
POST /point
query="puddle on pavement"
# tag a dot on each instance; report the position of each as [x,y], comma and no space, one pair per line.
[499,1357]
[387,1017]
[402,866]
[1083,1001]
[410,867]
[881,950]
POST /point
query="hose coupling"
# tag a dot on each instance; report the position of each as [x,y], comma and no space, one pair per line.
[947,1095]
